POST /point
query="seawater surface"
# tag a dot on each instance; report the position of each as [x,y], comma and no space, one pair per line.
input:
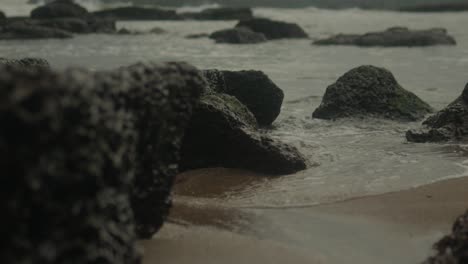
[348,158]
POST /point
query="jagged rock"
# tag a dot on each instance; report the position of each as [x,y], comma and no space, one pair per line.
[392,37]
[453,249]
[25,30]
[451,123]
[223,133]
[223,13]
[252,88]
[26,63]
[138,13]
[238,36]
[370,91]
[273,29]
[59,9]
[65,187]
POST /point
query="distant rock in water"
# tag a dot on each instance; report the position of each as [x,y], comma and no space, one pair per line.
[453,249]
[238,36]
[254,89]
[223,133]
[223,13]
[441,7]
[26,30]
[451,123]
[273,29]
[370,91]
[59,9]
[26,63]
[137,13]
[393,37]
[198,36]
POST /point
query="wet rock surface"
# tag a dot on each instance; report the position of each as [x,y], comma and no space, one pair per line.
[393,37]
[273,29]
[224,133]
[85,153]
[449,124]
[238,36]
[370,91]
[223,13]
[26,63]
[59,9]
[138,13]
[27,30]
[254,89]
[453,249]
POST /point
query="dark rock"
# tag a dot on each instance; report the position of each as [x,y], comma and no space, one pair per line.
[393,37]
[59,9]
[273,29]
[223,133]
[439,7]
[370,91]
[138,13]
[25,30]
[26,63]
[197,36]
[65,188]
[2,15]
[451,123]
[238,36]
[252,88]
[453,249]
[223,13]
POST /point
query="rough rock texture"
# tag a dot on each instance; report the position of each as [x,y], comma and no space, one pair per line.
[24,30]
[252,88]
[273,29]
[223,133]
[138,13]
[370,91]
[26,63]
[453,249]
[451,123]
[223,13]
[78,149]
[65,187]
[59,9]
[238,36]
[392,37]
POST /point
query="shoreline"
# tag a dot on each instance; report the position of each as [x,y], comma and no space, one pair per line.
[405,223]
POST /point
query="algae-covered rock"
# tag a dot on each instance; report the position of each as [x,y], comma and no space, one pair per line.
[370,91]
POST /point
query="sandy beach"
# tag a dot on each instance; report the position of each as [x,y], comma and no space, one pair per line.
[394,227]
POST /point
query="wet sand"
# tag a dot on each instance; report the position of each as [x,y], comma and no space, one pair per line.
[397,227]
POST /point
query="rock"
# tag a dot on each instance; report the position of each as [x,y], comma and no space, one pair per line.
[197,36]
[59,9]
[370,91]
[24,30]
[65,191]
[223,13]
[273,29]
[138,13]
[453,249]
[26,63]
[254,89]
[393,37]
[439,7]
[451,123]
[2,15]
[157,30]
[238,36]
[223,133]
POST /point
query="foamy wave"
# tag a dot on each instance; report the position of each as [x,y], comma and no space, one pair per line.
[197,8]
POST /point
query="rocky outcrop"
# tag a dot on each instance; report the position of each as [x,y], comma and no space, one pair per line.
[254,89]
[453,249]
[59,9]
[138,13]
[223,133]
[393,37]
[238,36]
[455,6]
[26,63]
[449,124]
[273,29]
[2,15]
[26,30]
[370,91]
[83,154]
[223,13]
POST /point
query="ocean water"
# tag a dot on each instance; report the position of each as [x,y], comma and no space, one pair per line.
[348,158]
